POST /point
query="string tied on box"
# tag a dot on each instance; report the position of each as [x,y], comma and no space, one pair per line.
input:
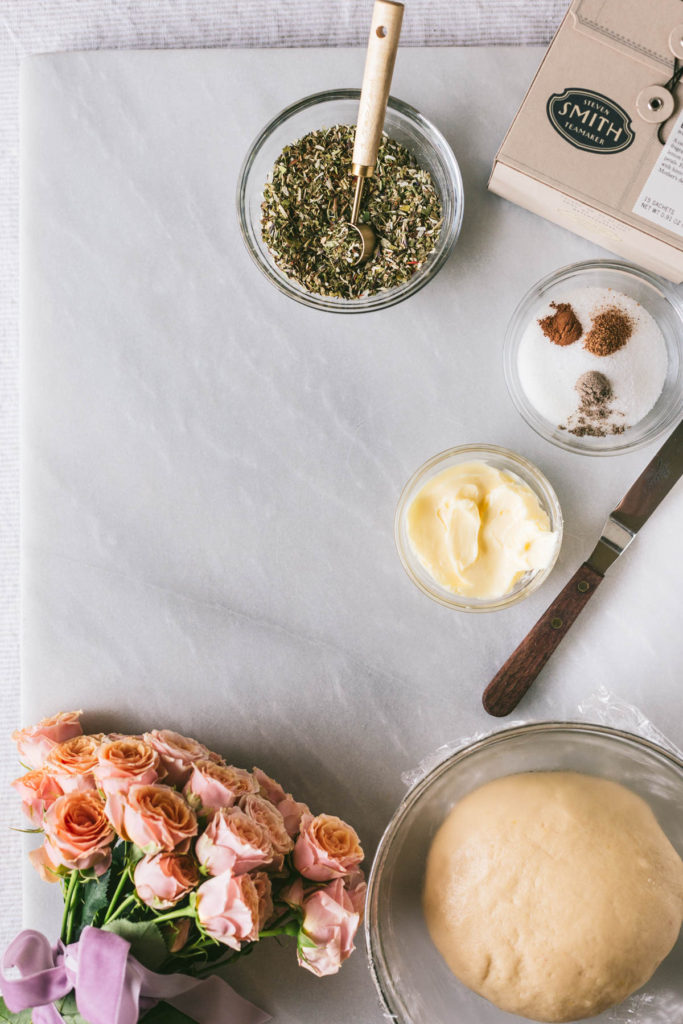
[671,87]
[110,985]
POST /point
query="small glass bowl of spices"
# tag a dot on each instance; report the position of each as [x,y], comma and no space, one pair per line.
[593,357]
[478,528]
[295,194]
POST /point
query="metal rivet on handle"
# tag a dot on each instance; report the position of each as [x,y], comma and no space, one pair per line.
[556,622]
[583,586]
[655,104]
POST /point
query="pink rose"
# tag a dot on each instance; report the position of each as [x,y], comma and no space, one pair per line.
[162,880]
[38,791]
[292,812]
[177,753]
[326,848]
[78,836]
[123,761]
[155,818]
[36,741]
[269,788]
[356,887]
[72,762]
[264,891]
[233,842]
[228,909]
[290,809]
[329,926]
[263,813]
[212,786]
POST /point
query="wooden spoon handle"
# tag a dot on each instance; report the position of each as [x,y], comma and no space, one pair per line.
[385,30]
[512,681]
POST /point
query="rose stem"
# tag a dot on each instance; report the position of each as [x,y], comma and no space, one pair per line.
[68,896]
[119,910]
[119,889]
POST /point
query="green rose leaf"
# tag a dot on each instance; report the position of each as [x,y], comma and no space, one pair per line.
[94,899]
[146,941]
[135,853]
[14,1018]
[68,1009]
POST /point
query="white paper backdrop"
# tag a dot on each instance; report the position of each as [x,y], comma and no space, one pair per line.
[36,26]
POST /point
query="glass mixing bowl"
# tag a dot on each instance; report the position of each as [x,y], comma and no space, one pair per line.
[499,458]
[413,981]
[659,298]
[340,106]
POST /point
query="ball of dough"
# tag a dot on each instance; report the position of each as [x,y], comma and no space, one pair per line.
[553,894]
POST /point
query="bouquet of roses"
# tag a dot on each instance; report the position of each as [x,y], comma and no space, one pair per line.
[172,864]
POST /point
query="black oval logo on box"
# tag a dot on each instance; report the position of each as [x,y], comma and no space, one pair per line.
[590,121]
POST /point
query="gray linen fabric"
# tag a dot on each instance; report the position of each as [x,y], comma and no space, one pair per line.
[36,26]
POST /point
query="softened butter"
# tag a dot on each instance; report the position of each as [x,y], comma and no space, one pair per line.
[477,530]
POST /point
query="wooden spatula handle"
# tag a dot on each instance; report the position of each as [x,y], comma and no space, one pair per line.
[379,68]
[512,681]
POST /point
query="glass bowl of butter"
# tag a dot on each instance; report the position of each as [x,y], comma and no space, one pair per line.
[478,528]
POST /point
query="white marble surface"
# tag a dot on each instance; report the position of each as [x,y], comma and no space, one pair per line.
[210,471]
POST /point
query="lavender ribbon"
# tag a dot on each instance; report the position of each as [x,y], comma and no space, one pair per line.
[111,986]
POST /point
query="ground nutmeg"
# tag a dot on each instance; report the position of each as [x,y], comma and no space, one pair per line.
[610,330]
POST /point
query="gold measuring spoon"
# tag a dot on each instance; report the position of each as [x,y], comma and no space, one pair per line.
[385,29]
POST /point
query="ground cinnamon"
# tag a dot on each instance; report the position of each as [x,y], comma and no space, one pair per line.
[610,330]
[562,327]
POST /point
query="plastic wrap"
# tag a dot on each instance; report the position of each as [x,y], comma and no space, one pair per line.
[601,708]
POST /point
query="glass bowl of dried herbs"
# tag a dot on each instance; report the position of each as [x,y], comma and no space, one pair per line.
[295,190]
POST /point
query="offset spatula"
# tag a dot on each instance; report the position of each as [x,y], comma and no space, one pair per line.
[509,685]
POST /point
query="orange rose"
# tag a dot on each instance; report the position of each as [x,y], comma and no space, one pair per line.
[123,761]
[153,817]
[78,836]
[36,741]
[71,763]
[326,848]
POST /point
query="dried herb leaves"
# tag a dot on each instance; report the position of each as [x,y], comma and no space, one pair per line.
[311,193]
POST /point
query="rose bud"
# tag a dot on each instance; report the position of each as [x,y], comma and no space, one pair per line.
[78,835]
[154,817]
[212,786]
[35,742]
[228,909]
[38,791]
[176,933]
[177,753]
[162,880]
[124,761]
[330,923]
[326,848]
[72,762]
[233,842]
